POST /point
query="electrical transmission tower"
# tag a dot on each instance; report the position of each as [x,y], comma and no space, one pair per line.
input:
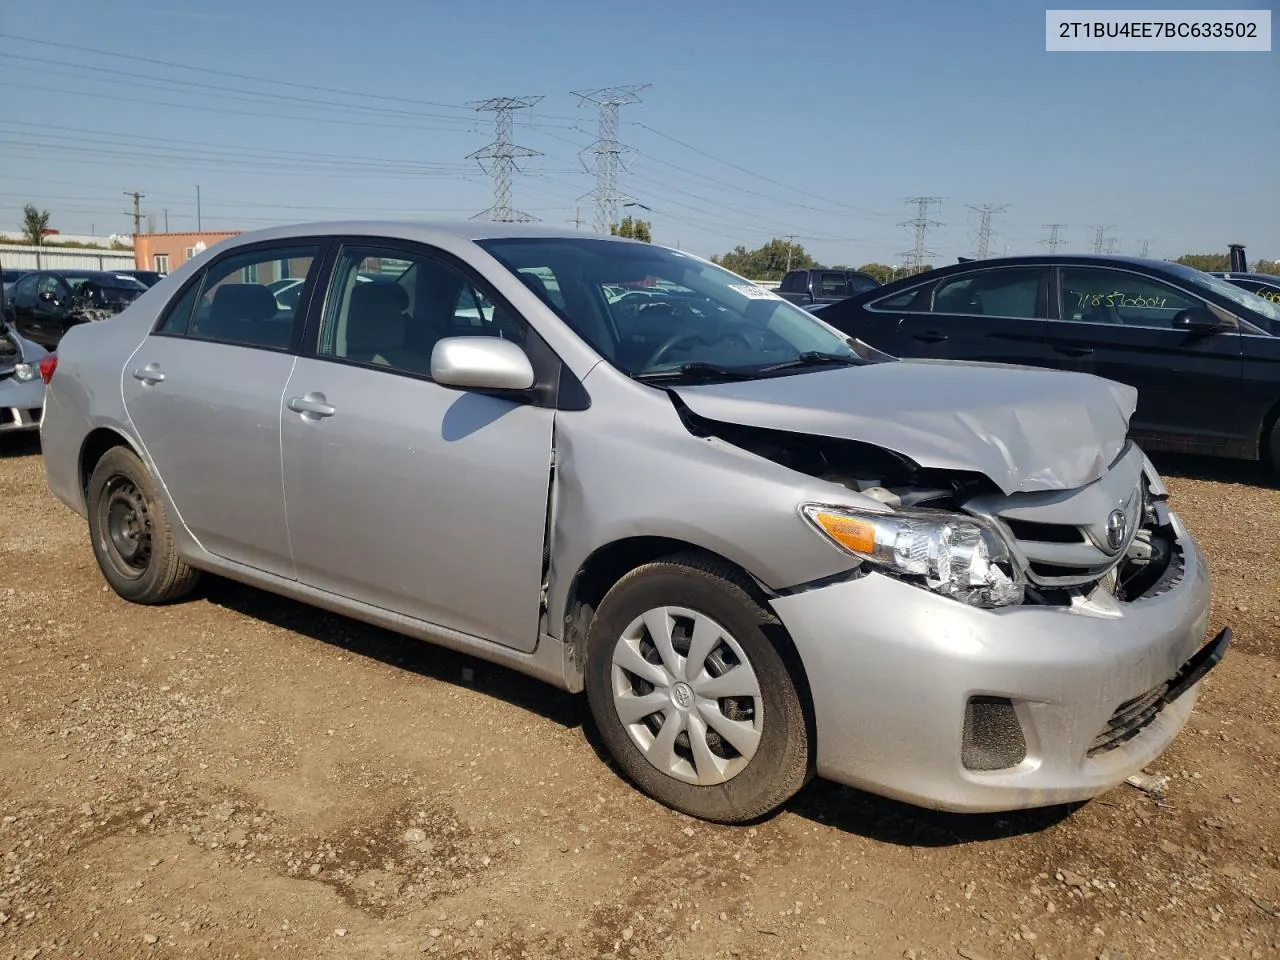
[502,155]
[607,151]
[913,259]
[1054,240]
[1111,245]
[1143,247]
[1100,235]
[984,229]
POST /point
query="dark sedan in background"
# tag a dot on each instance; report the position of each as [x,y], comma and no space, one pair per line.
[1203,353]
[1264,285]
[44,304]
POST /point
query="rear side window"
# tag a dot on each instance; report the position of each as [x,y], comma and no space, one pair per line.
[834,285]
[236,303]
[1012,292]
[178,315]
[898,301]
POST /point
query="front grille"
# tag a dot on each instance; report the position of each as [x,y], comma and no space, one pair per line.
[993,738]
[1129,720]
[1061,538]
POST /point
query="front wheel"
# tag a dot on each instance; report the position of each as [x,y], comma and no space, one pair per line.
[131,534]
[690,694]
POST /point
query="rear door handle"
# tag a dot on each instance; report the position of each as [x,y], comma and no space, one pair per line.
[150,374]
[1074,351]
[312,407]
[931,336]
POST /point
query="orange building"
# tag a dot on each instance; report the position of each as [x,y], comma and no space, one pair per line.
[166,252]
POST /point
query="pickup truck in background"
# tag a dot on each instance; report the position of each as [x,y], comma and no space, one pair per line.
[823,285]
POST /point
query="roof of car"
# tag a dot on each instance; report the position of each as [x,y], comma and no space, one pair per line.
[1235,275]
[425,231]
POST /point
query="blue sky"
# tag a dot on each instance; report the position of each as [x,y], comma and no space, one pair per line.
[812,119]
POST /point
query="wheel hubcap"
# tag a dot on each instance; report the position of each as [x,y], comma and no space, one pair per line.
[126,523]
[687,695]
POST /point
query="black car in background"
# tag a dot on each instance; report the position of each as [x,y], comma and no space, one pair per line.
[44,304]
[148,278]
[1203,353]
[1264,285]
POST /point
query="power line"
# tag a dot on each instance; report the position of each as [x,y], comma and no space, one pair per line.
[503,154]
[987,210]
[914,258]
[607,150]
[275,82]
[1054,240]
[777,183]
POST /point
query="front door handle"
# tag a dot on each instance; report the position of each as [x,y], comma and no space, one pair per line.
[931,336]
[312,406]
[150,374]
[1074,351]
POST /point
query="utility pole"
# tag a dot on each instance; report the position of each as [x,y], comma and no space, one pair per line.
[577,219]
[921,223]
[166,219]
[502,155]
[1099,235]
[987,210]
[199,221]
[790,238]
[607,151]
[137,210]
[1054,240]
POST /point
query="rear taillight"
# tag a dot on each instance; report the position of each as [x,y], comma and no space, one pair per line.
[48,364]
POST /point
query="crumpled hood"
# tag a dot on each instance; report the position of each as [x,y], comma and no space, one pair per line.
[1025,428]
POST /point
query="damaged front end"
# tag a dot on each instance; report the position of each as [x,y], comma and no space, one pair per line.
[956,533]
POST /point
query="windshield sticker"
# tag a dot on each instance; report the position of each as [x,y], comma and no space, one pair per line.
[752,292]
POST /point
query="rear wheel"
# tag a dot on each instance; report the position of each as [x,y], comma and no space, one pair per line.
[131,534]
[690,694]
[1273,451]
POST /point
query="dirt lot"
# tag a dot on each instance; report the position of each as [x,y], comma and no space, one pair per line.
[242,776]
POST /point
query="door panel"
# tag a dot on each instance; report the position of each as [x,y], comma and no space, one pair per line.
[1189,385]
[1261,384]
[419,499]
[988,315]
[211,426]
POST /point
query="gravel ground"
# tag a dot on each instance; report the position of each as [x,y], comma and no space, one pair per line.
[242,776]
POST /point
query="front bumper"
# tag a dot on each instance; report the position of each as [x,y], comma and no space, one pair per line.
[891,669]
[21,404]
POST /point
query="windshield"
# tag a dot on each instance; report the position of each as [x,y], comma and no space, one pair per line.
[1270,312]
[652,311]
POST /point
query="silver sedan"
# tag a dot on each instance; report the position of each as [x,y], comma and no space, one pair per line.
[764,550]
[21,389]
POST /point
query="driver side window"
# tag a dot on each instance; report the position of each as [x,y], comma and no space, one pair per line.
[388,308]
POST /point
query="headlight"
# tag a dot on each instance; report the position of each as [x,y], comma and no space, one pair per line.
[25,371]
[948,553]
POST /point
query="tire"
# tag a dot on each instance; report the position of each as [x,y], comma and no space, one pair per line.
[131,533]
[698,599]
[1272,459]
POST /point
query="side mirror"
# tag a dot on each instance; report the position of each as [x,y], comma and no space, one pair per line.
[481,363]
[1197,320]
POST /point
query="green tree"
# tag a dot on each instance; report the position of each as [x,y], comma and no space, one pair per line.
[1268,266]
[1206,261]
[881,271]
[768,262]
[34,224]
[633,229]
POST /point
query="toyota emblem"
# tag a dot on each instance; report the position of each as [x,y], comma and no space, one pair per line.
[1117,529]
